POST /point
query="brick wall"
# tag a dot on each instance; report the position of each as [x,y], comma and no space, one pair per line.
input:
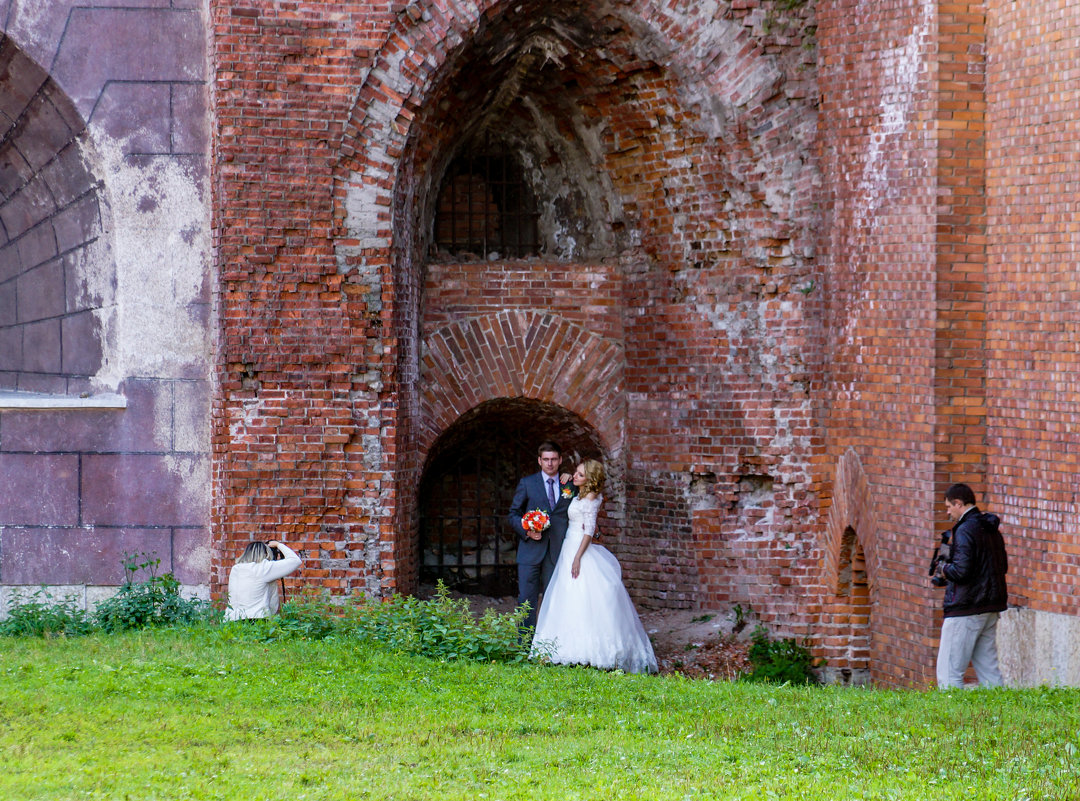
[947,258]
[675,152]
[295,419]
[878,79]
[1032,316]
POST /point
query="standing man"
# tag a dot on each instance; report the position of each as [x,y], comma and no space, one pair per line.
[538,551]
[973,573]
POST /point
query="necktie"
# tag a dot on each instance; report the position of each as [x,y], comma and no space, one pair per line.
[551,493]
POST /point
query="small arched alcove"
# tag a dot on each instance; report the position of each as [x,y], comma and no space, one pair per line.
[853,594]
[468,484]
[847,620]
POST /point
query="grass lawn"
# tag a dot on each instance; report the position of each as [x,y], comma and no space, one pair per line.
[205,714]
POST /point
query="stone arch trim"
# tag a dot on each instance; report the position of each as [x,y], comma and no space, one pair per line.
[56,268]
[852,508]
[512,354]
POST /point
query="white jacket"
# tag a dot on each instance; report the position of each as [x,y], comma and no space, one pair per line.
[253,586]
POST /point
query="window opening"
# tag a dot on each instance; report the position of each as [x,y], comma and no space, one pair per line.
[485,206]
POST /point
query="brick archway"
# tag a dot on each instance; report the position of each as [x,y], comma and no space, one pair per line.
[852,508]
[499,366]
[420,51]
[850,576]
[499,356]
[670,160]
[468,481]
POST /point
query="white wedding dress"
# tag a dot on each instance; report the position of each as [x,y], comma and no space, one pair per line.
[590,620]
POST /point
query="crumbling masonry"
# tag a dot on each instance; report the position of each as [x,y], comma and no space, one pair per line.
[328,271]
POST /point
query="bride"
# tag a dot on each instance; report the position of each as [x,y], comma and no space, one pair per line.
[587,617]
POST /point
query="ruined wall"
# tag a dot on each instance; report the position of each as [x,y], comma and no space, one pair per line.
[672,147]
[104,295]
[306,405]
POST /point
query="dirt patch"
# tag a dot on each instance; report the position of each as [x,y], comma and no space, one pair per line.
[698,644]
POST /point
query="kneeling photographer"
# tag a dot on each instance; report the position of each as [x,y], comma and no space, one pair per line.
[253,591]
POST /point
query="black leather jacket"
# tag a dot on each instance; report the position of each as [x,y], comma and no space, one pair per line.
[976,567]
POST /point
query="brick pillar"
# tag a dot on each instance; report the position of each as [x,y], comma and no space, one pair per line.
[960,340]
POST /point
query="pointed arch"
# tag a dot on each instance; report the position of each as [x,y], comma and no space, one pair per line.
[424,52]
[513,354]
[851,571]
[53,242]
[851,515]
[707,101]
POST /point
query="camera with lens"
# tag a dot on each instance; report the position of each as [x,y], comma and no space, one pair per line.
[275,553]
[938,560]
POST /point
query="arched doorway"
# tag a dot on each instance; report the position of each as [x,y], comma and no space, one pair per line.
[468,484]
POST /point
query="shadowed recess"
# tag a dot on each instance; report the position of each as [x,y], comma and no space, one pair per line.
[469,483]
[50,338]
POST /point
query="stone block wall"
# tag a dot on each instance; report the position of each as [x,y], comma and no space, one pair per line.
[105,305]
[50,338]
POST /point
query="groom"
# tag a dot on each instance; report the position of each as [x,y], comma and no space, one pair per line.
[538,551]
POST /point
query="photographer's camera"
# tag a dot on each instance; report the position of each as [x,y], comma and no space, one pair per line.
[939,559]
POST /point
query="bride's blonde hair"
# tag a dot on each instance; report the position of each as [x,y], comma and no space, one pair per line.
[594,477]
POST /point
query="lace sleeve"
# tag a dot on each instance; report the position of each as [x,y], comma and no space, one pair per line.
[589,512]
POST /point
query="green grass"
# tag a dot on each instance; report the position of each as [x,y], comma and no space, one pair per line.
[208,714]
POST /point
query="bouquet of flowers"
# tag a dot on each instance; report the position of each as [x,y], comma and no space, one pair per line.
[536,520]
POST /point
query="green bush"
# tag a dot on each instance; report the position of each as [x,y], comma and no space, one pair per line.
[155,601]
[779,661]
[41,616]
[440,627]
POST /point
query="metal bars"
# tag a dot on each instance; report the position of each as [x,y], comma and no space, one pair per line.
[463,533]
[485,206]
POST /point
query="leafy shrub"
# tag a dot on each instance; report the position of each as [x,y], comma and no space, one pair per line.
[440,627]
[156,601]
[779,661]
[41,616]
[308,617]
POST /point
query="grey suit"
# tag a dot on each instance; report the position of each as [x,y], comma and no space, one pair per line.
[536,558]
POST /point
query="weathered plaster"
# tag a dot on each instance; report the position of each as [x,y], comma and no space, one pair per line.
[157,326]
